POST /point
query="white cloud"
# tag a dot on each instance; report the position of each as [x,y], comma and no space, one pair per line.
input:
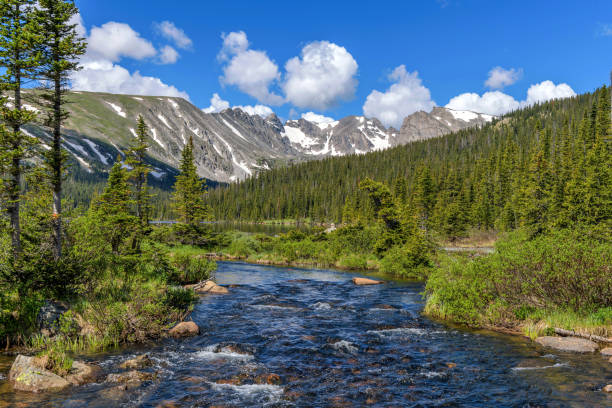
[261,110]
[605,30]
[105,76]
[492,103]
[175,34]
[113,40]
[547,90]
[168,55]
[107,45]
[216,104]
[498,103]
[405,96]
[249,70]
[77,20]
[316,118]
[500,77]
[323,76]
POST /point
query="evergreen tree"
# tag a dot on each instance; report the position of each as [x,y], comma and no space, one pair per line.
[112,208]
[20,59]
[190,190]
[61,47]
[135,158]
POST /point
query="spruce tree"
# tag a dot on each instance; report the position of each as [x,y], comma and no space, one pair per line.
[113,206]
[20,58]
[190,190]
[61,48]
[135,158]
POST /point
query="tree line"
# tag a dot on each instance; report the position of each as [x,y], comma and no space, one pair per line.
[544,166]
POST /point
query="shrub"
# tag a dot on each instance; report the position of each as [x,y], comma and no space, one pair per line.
[408,261]
[353,262]
[55,359]
[180,298]
[191,269]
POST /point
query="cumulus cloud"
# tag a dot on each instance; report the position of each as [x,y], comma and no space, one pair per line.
[105,76]
[175,34]
[492,103]
[500,77]
[107,45]
[216,104]
[498,103]
[168,55]
[405,96]
[321,77]
[547,90]
[316,118]
[249,70]
[261,110]
[605,30]
[113,41]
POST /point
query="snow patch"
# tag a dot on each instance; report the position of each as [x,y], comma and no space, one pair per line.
[133,132]
[154,131]
[233,129]
[117,109]
[77,147]
[94,147]
[296,136]
[158,174]
[465,116]
[137,98]
[164,120]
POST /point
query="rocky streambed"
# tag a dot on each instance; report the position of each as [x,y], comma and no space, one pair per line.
[289,337]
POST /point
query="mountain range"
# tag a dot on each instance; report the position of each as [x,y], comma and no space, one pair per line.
[232,144]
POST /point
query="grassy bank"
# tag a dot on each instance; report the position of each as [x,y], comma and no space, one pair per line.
[561,279]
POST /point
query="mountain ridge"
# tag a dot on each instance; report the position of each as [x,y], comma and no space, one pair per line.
[231,145]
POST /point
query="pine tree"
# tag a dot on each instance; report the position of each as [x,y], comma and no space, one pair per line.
[135,158]
[20,59]
[190,190]
[61,47]
[112,208]
[424,196]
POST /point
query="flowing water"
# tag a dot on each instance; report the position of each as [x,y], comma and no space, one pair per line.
[310,338]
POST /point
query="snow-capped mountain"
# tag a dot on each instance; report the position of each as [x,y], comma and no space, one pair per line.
[231,145]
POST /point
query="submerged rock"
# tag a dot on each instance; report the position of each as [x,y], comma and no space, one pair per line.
[185,329]
[139,362]
[82,373]
[25,375]
[130,377]
[573,344]
[365,281]
[606,351]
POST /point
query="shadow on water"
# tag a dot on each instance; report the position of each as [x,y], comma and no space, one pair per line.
[288,337]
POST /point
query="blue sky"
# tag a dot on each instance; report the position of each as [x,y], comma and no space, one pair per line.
[343,51]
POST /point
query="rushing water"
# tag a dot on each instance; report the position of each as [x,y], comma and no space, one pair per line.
[335,344]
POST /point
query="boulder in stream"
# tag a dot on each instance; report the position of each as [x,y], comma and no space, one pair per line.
[212,287]
[606,351]
[137,363]
[184,329]
[25,375]
[130,377]
[82,373]
[365,281]
[573,344]
[607,388]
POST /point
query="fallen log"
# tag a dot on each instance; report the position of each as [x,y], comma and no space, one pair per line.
[592,337]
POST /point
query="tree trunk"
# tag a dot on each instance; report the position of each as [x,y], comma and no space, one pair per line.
[15,187]
[57,168]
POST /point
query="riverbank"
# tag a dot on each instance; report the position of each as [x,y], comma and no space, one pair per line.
[310,337]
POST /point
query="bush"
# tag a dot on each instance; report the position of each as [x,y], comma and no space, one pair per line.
[55,359]
[565,272]
[408,261]
[190,269]
[353,262]
[180,298]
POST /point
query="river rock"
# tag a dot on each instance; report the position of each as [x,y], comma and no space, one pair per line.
[82,373]
[606,351]
[365,281]
[573,344]
[25,375]
[139,362]
[185,329]
[607,388]
[130,377]
[211,287]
